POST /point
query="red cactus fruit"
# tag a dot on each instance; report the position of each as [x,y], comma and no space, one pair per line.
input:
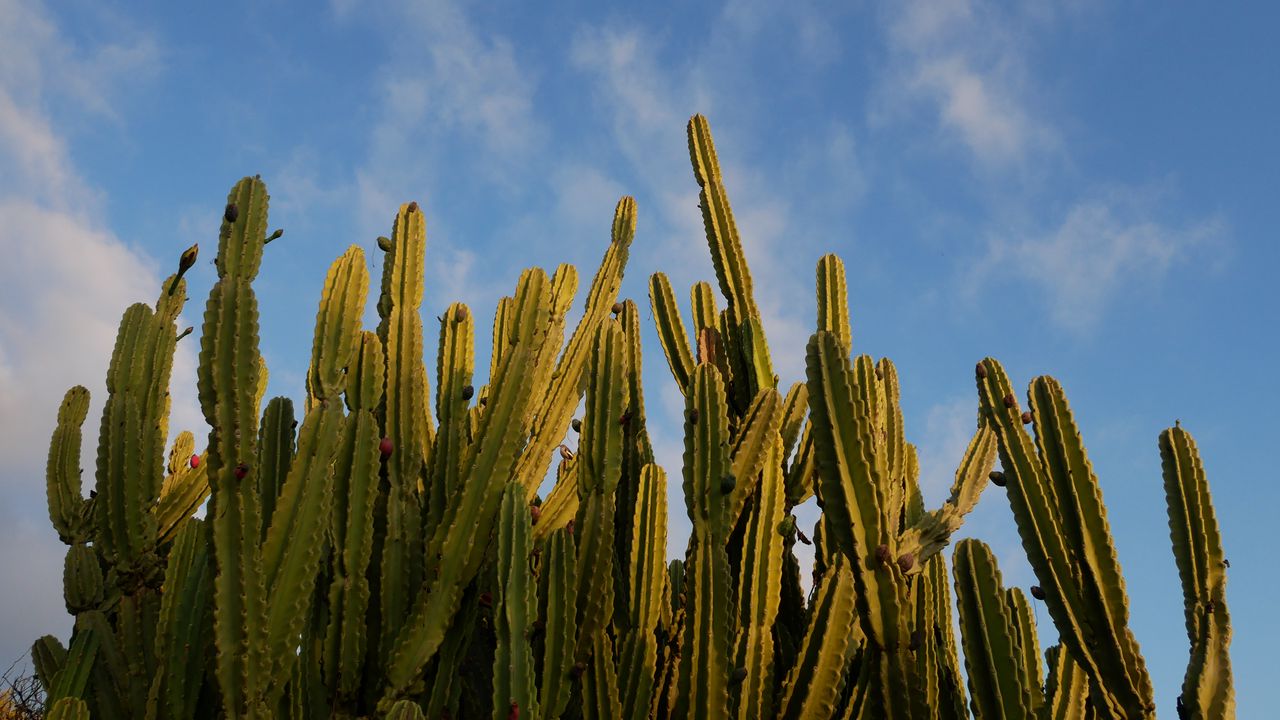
[241,470]
[195,461]
[514,712]
[385,447]
[1010,400]
[1026,418]
[535,513]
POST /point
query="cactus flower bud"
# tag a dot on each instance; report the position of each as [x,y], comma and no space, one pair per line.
[188,259]
[565,453]
[467,392]
[1037,592]
[279,233]
[535,514]
[459,314]
[997,478]
[883,554]
[906,561]
[981,370]
[413,206]
[1010,400]
[231,213]
[1026,418]
[184,333]
[617,308]
[384,244]
[241,471]
[737,676]
[195,461]
[576,425]
[385,447]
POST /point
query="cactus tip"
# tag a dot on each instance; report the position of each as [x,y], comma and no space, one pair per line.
[460,314]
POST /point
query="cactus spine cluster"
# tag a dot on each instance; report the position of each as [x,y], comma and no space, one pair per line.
[392,556]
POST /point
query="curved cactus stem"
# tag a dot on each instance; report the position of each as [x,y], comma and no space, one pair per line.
[66,505]
[759,589]
[813,686]
[751,447]
[600,681]
[1058,507]
[556,403]
[994,652]
[929,535]
[455,366]
[561,505]
[459,541]
[637,454]
[184,489]
[337,333]
[1207,690]
[558,583]
[517,603]
[671,333]
[66,673]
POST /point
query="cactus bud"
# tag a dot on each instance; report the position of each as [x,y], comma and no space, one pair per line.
[413,206]
[879,374]
[1010,400]
[467,392]
[188,259]
[279,233]
[184,333]
[231,213]
[459,314]
[565,453]
[384,244]
[617,308]
[1026,418]
[535,514]
[569,526]
[981,370]
[802,537]
[385,447]
[241,470]
[693,416]
[906,561]
[726,483]
[997,478]
[486,600]
[883,555]
[1037,592]
[195,462]
[737,676]
[576,425]
[578,668]
[514,712]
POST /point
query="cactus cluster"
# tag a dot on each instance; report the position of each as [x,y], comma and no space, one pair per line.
[385,555]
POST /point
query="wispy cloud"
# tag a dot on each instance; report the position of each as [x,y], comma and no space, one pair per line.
[1103,248]
[965,62]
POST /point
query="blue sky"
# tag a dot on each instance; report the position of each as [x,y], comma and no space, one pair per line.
[1082,189]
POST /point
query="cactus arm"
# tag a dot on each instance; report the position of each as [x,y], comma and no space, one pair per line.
[48,657]
[455,366]
[185,617]
[337,333]
[68,709]
[66,505]
[275,455]
[833,301]
[459,542]
[71,677]
[228,384]
[671,333]
[1023,626]
[558,582]
[503,331]
[993,657]
[405,710]
[600,682]
[930,534]
[647,573]
[801,472]
[813,685]
[81,579]
[794,407]
[553,409]
[759,595]
[516,608]
[937,669]
[599,471]
[751,447]
[561,505]
[894,445]
[1207,690]
[637,453]
[1066,689]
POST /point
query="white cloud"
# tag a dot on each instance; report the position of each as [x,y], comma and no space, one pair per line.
[1103,248]
[948,427]
[65,282]
[965,61]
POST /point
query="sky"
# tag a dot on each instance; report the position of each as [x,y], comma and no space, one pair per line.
[1081,189]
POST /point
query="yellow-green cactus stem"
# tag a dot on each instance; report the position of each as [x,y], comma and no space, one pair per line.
[275,454]
[68,709]
[185,624]
[66,505]
[758,594]
[184,490]
[671,333]
[81,579]
[646,570]
[813,686]
[516,606]
[1066,690]
[558,582]
[1207,690]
